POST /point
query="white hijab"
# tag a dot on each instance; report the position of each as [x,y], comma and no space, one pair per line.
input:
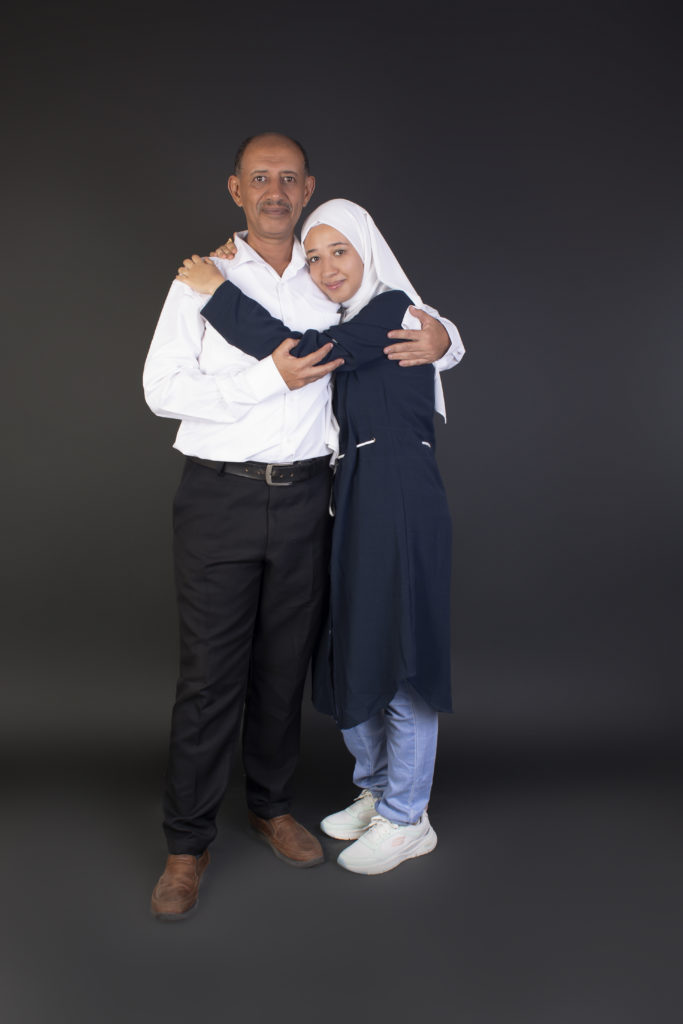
[381,270]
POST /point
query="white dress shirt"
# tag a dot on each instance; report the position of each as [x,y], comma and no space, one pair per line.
[232,407]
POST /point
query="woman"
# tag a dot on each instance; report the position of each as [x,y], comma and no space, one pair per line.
[384,673]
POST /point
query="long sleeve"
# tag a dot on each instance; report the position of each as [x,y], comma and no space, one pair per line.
[251,328]
[177,388]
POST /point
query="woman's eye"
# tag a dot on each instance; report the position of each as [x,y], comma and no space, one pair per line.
[313,259]
[339,252]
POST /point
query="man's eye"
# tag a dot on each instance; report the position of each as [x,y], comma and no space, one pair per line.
[259,178]
[289,179]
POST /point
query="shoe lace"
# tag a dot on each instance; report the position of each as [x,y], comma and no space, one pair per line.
[379,829]
[362,795]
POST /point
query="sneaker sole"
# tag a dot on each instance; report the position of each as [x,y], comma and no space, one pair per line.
[425,845]
[344,833]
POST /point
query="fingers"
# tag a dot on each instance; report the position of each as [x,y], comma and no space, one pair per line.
[409,353]
[285,347]
[413,357]
[420,314]
[316,372]
[413,335]
[226,251]
[404,349]
[405,335]
[316,356]
[188,264]
[297,373]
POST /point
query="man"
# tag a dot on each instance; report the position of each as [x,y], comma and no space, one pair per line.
[251,524]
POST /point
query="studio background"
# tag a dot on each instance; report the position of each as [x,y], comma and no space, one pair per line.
[524,161]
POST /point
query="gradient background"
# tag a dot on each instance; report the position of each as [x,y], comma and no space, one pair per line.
[525,161]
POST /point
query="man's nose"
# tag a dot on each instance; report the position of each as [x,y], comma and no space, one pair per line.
[276,191]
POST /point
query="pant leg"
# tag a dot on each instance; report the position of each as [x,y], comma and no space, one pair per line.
[292,604]
[219,545]
[367,742]
[411,728]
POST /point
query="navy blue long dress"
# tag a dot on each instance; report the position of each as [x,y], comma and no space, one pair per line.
[391,544]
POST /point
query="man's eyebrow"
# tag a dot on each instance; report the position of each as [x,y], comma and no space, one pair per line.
[265,170]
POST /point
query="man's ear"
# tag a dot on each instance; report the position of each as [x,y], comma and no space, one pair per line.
[234,189]
[309,187]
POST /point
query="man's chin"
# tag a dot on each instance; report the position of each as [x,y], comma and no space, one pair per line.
[276,226]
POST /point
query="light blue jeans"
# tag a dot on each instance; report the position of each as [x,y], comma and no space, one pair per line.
[395,752]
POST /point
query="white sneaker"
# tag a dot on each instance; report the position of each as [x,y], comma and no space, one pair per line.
[385,845]
[353,820]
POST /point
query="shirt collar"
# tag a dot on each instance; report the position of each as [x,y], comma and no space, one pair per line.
[245,254]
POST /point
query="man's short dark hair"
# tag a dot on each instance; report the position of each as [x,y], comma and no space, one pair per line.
[243,145]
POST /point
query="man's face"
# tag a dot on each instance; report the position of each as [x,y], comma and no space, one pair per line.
[272,187]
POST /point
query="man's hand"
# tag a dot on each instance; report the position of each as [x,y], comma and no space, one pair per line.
[296,373]
[227,251]
[422,346]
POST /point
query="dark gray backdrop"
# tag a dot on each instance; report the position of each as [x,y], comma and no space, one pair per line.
[524,160]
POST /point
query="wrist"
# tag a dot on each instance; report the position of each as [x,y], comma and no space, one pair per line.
[214,284]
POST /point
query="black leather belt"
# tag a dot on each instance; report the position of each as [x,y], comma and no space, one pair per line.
[275,474]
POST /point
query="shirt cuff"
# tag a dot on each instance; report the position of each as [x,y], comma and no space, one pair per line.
[456,351]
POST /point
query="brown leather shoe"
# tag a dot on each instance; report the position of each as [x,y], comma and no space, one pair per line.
[288,840]
[175,895]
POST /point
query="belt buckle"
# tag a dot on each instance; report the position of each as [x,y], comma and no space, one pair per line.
[269,475]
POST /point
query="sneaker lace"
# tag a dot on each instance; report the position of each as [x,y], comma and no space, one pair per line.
[379,829]
[362,795]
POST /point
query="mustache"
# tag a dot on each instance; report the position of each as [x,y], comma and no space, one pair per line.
[276,202]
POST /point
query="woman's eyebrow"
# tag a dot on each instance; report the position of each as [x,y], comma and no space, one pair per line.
[332,245]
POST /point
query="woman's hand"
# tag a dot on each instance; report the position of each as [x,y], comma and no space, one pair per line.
[227,251]
[200,274]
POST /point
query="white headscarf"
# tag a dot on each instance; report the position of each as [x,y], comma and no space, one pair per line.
[381,270]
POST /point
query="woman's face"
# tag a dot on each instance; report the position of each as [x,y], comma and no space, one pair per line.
[335,266]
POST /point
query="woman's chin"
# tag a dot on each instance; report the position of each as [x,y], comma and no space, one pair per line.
[338,295]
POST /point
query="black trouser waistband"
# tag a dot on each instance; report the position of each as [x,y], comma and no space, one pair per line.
[275,474]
